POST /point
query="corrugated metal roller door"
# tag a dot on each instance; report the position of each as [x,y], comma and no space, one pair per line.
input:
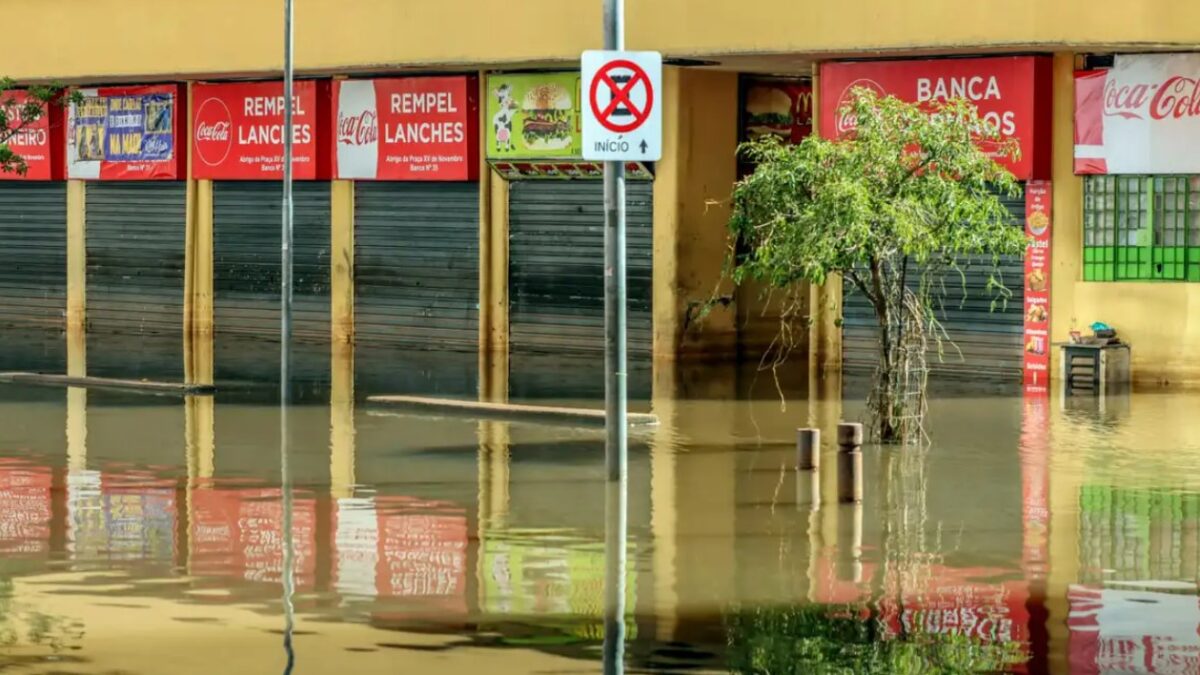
[989,340]
[416,266]
[556,266]
[135,254]
[246,259]
[33,253]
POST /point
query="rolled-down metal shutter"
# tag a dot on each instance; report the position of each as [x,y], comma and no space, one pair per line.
[33,253]
[416,265]
[989,338]
[556,267]
[135,254]
[246,259]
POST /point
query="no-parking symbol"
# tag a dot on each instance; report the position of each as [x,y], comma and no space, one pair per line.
[622,110]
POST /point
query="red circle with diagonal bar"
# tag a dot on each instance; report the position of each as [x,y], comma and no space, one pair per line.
[620,95]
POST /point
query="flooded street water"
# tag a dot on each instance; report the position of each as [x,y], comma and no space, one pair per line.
[143,534]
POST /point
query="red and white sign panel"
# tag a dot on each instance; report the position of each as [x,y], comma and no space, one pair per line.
[40,144]
[237,131]
[1038,224]
[126,133]
[1141,116]
[407,129]
[1013,93]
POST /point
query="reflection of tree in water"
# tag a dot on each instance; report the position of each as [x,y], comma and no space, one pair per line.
[874,635]
[25,632]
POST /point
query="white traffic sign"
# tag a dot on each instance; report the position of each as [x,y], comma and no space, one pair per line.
[622,106]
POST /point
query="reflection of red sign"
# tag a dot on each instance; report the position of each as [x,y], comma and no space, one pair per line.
[237,130]
[619,103]
[41,144]
[1038,223]
[400,547]
[1012,93]
[1132,631]
[423,553]
[410,128]
[24,508]
[238,533]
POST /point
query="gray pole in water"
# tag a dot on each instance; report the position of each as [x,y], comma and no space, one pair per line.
[285,341]
[285,249]
[615,393]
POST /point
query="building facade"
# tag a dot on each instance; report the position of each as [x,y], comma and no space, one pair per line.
[490,241]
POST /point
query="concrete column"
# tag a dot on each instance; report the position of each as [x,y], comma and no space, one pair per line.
[342,446]
[341,255]
[76,255]
[691,212]
[1067,235]
[825,302]
[493,273]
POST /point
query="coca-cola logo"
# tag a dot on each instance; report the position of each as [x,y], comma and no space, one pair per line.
[845,119]
[360,129]
[213,135]
[1177,97]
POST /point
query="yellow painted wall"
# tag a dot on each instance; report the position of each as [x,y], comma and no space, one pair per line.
[1160,321]
[74,39]
[820,26]
[691,194]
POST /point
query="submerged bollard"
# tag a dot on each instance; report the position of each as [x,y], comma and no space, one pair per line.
[808,490]
[850,481]
[808,449]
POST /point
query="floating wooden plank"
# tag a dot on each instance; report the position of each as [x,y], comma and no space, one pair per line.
[107,383]
[507,411]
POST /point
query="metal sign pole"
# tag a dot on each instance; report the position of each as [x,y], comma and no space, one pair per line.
[285,340]
[615,392]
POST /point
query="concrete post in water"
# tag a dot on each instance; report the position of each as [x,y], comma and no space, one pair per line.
[808,449]
[808,490]
[850,481]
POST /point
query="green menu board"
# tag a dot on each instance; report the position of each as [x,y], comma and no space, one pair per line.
[533,116]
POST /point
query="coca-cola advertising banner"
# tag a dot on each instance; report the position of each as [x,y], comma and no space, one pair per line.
[1037,282]
[1012,93]
[39,144]
[410,129]
[1140,116]
[126,133]
[237,130]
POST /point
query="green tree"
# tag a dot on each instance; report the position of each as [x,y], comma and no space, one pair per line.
[894,207]
[16,116]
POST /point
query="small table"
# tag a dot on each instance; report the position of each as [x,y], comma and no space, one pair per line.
[1090,366]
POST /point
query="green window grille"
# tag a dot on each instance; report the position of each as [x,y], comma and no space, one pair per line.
[1141,228]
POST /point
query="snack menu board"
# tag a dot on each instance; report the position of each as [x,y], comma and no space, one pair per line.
[533,116]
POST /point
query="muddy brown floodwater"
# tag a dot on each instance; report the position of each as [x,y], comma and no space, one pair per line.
[143,534]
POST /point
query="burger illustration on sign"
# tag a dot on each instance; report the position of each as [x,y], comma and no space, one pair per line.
[768,113]
[547,125]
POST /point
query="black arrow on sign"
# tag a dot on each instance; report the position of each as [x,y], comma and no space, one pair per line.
[644,145]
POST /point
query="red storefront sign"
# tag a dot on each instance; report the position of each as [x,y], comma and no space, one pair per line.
[126,133]
[237,131]
[39,144]
[412,129]
[1012,93]
[1038,225]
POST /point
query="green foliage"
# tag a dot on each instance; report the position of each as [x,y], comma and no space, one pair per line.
[908,183]
[837,640]
[910,189]
[17,116]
